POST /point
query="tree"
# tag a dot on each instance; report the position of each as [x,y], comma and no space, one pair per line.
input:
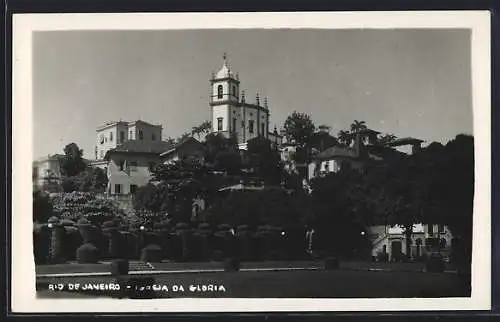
[92,180]
[265,160]
[180,183]
[72,163]
[154,198]
[338,211]
[357,126]
[345,137]
[299,128]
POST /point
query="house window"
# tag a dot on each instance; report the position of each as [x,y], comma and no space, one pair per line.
[95,152]
[132,166]
[122,136]
[219,91]
[141,135]
[101,139]
[234,124]
[118,189]
[263,128]
[130,135]
[441,229]
[151,166]
[102,154]
[250,126]
[219,124]
[121,165]
[133,189]
[111,136]
[430,229]
[153,137]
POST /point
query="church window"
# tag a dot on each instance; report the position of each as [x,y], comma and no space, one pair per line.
[219,124]
[263,128]
[250,126]
[122,136]
[111,136]
[234,91]
[102,139]
[141,135]
[219,91]
[234,124]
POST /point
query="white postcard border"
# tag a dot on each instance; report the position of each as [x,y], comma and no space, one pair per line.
[23,268]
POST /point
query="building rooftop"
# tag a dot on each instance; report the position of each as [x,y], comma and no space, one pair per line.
[174,147]
[126,123]
[139,146]
[336,152]
[405,141]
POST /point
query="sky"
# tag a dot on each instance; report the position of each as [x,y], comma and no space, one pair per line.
[407,82]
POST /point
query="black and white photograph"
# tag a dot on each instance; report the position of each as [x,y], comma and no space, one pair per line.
[275,162]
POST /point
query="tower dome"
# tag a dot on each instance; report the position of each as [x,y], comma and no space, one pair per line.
[225,71]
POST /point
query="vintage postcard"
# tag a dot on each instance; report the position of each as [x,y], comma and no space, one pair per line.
[251,162]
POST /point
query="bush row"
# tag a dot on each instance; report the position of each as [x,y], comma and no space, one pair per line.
[88,243]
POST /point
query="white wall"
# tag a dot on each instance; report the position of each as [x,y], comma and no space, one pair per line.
[226,89]
[139,177]
[220,111]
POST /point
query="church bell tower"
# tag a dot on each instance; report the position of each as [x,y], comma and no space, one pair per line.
[224,100]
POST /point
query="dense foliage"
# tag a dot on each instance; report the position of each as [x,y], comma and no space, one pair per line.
[78,205]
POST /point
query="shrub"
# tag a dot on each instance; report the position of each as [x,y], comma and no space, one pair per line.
[218,256]
[87,254]
[382,257]
[119,267]
[57,241]
[152,253]
[53,220]
[332,262]
[115,243]
[232,265]
[435,263]
[41,241]
[88,233]
[130,244]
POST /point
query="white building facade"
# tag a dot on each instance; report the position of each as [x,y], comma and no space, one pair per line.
[112,134]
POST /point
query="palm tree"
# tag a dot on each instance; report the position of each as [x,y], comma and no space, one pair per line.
[345,137]
[195,130]
[357,126]
[184,136]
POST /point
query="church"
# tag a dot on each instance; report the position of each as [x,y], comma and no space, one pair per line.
[232,115]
